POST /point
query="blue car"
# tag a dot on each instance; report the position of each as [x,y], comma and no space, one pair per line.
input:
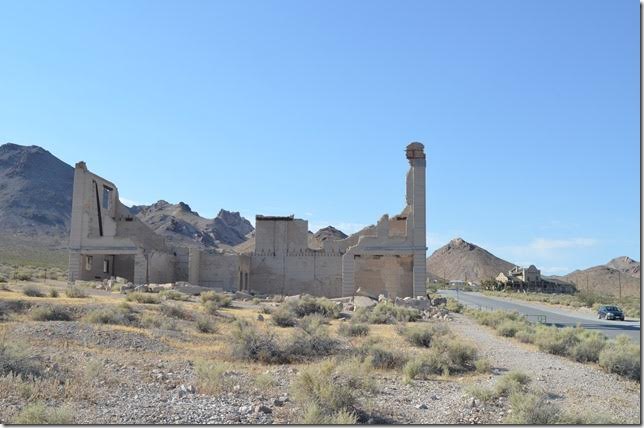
[610,313]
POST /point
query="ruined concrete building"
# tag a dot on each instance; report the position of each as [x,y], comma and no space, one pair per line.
[107,240]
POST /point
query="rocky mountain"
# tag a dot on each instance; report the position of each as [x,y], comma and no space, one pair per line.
[606,279]
[35,192]
[182,226]
[329,232]
[461,260]
[314,239]
[625,265]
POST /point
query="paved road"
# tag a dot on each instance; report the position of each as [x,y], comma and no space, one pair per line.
[553,316]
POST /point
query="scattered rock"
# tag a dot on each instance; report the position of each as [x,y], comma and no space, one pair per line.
[363,302]
[260,317]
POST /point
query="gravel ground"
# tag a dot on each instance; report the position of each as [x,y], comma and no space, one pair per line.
[580,388]
[143,380]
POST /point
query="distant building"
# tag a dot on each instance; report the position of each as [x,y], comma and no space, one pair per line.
[530,279]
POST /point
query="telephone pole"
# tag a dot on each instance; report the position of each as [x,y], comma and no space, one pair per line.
[619,278]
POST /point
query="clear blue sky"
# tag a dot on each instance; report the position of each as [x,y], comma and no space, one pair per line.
[529,111]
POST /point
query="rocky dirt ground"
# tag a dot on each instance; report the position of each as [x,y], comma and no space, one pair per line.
[119,374]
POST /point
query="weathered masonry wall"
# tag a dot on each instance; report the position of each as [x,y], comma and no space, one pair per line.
[389,275]
[311,272]
[219,271]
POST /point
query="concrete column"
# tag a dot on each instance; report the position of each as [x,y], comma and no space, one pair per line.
[140,269]
[348,275]
[194,261]
[74,268]
[76,225]
[416,157]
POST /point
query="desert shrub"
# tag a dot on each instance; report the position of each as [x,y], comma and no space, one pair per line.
[532,409]
[483,365]
[152,320]
[111,315]
[173,295]
[282,317]
[525,335]
[50,313]
[381,358]
[32,291]
[494,318]
[423,335]
[222,300]
[308,305]
[556,341]
[16,358]
[454,305]
[481,393]
[205,325]
[325,397]
[211,308]
[175,311]
[509,328]
[139,297]
[75,292]
[265,380]
[513,381]
[211,376]
[266,310]
[352,329]
[53,292]
[308,344]
[255,301]
[24,276]
[40,414]
[445,356]
[387,313]
[589,346]
[248,343]
[622,356]
[312,323]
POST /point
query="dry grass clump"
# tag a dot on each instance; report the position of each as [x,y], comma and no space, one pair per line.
[283,317]
[53,292]
[40,414]
[222,300]
[621,356]
[380,357]
[211,376]
[205,325]
[533,408]
[514,382]
[32,291]
[353,329]
[323,397]
[50,313]
[138,297]
[386,313]
[17,359]
[120,315]
[175,311]
[445,356]
[75,292]
[152,320]
[308,305]
[454,305]
[173,295]
[422,335]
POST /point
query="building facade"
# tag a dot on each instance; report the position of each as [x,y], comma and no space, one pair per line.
[107,240]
